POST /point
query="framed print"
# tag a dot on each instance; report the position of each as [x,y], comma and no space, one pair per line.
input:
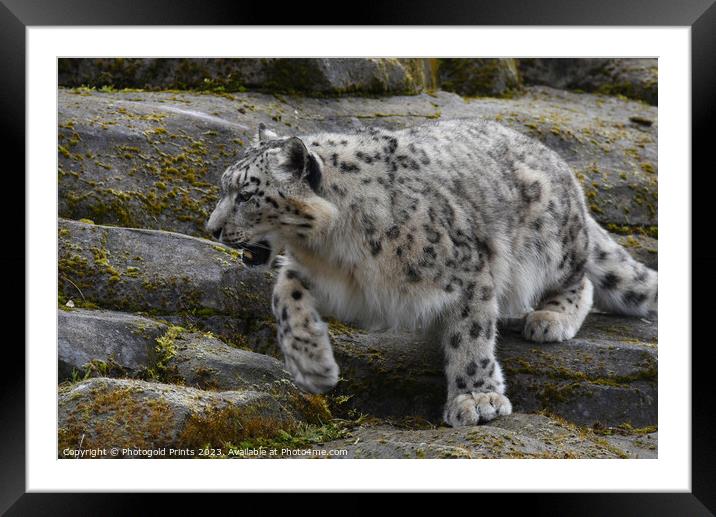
[423,250]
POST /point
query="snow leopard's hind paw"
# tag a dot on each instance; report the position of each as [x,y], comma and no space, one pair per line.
[548,326]
[476,408]
[560,316]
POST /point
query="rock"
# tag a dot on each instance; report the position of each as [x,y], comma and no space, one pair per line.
[103,413]
[109,343]
[309,76]
[514,436]
[192,281]
[606,375]
[640,445]
[102,341]
[153,159]
[633,78]
[476,77]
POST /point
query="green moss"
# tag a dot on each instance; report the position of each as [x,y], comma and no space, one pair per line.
[132,271]
[234,254]
[101,260]
[164,352]
[649,231]
[338,328]
[648,167]
[115,417]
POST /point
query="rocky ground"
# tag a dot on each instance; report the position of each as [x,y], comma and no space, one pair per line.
[166,338]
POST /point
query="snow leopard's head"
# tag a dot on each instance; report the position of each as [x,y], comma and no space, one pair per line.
[269,197]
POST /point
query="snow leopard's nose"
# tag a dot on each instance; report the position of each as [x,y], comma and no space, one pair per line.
[217,234]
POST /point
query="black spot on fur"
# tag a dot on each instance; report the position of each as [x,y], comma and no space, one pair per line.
[475,330]
[490,330]
[610,281]
[531,193]
[471,368]
[296,295]
[349,167]
[460,383]
[633,298]
[486,293]
[455,340]
[393,232]
[412,274]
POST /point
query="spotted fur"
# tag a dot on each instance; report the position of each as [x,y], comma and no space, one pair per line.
[452,224]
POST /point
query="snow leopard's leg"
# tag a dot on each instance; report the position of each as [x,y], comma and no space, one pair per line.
[560,315]
[302,335]
[475,383]
[621,284]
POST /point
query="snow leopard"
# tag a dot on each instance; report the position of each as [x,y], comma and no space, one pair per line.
[451,226]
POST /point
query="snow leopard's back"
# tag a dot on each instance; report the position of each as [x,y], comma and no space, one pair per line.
[418,205]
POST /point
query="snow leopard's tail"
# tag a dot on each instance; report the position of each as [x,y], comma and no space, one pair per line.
[621,284]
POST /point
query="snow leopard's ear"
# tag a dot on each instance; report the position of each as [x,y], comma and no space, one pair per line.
[300,163]
[264,134]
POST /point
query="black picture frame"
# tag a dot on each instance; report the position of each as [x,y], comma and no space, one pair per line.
[699,15]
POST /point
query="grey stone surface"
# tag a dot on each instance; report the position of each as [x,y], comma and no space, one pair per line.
[515,436]
[635,78]
[94,342]
[152,159]
[124,342]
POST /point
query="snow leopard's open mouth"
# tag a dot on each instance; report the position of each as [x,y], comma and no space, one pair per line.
[255,254]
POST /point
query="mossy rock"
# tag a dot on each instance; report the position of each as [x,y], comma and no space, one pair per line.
[516,436]
[480,77]
[101,343]
[102,413]
[310,76]
[634,78]
[160,273]
[153,159]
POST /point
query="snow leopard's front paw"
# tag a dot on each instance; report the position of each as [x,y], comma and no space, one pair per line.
[548,326]
[309,357]
[316,377]
[476,407]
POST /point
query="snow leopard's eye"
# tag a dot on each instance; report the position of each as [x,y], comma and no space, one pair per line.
[242,197]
